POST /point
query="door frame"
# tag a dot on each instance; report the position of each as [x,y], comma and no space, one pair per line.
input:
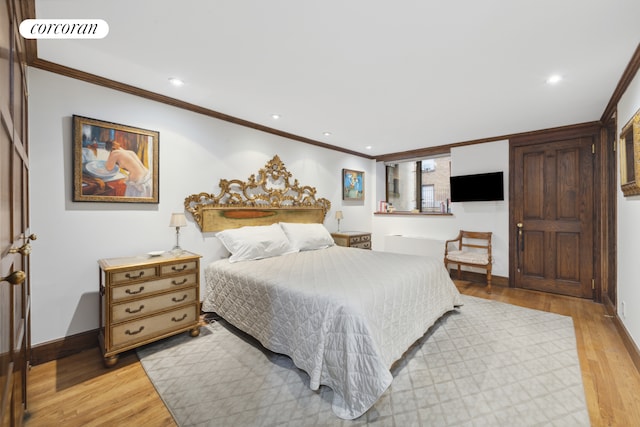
[604,196]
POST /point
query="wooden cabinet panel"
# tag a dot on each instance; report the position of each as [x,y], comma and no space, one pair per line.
[15,317]
[567,185]
[568,256]
[533,253]
[533,185]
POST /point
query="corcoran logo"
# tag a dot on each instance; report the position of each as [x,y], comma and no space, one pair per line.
[64,29]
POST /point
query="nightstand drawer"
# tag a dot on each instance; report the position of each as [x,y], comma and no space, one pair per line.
[178,267]
[361,245]
[139,330]
[353,239]
[145,288]
[137,274]
[142,307]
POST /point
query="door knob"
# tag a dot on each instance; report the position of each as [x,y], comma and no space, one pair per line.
[14,278]
[520,236]
[24,249]
[519,245]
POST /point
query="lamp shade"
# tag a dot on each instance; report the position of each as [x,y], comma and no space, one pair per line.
[339,215]
[178,220]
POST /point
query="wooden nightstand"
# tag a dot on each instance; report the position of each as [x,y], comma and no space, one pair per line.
[353,239]
[144,299]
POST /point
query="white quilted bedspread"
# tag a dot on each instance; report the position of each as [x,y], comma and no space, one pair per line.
[343,315]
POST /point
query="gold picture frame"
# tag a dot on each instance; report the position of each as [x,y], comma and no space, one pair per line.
[114,162]
[630,156]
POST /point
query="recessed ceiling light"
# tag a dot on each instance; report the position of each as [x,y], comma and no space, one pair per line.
[176,81]
[553,79]
[275,116]
[368,147]
[326,133]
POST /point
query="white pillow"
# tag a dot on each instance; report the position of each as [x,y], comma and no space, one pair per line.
[306,237]
[255,242]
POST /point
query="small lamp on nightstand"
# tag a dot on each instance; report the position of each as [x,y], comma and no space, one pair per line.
[339,216]
[177,220]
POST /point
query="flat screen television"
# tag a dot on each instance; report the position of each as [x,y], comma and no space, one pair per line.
[477,188]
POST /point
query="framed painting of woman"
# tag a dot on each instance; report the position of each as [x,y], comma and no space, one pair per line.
[114,163]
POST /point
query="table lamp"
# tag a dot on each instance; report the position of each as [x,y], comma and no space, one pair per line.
[177,220]
[339,216]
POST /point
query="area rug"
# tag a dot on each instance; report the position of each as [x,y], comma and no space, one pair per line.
[487,363]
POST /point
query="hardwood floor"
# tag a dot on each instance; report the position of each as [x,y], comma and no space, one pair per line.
[79,391]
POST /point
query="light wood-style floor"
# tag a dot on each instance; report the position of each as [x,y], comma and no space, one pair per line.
[79,391]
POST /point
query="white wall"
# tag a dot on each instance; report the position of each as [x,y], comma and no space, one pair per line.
[479,216]
[195,153]
[628,232]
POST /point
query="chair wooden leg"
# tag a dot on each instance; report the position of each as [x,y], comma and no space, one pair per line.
[459,272]
[489,281]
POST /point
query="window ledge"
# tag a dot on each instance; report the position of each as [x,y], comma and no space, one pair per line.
[406,213]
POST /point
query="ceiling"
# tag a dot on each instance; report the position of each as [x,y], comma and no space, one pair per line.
[390,75]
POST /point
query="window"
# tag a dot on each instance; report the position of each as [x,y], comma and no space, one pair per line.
[428,196]
[428,165]
[426,191]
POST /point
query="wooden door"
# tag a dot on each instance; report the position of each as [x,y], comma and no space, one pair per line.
[552,216]
[14,218]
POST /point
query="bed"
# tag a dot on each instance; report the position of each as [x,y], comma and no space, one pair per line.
[343,315]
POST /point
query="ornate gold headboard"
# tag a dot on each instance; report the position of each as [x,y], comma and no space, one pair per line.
[264,200]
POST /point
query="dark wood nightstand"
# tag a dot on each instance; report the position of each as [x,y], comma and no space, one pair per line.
[353,239]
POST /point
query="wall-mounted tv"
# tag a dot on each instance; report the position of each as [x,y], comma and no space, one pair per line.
[477,188]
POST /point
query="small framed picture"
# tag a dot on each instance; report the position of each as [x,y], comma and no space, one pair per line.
[352,185]
[114,163]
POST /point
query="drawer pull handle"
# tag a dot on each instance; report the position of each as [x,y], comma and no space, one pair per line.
[184,267]
[128,332]
[129,276]
[184,297]
[184,316]
[128,310]
[173,282]
[130,292]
